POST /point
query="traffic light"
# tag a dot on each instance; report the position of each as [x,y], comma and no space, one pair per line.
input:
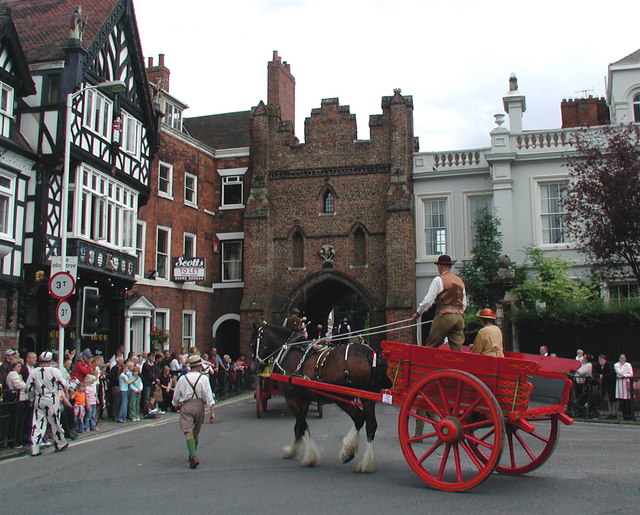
[90,309]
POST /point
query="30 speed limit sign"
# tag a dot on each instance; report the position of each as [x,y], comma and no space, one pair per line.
[61,285]
[63,313]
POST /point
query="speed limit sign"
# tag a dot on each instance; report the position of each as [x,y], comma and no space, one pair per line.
[63,313]
[61,285]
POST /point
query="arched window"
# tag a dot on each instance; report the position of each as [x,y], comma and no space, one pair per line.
[328,202]
[636,108]
[359,247]
[298,250]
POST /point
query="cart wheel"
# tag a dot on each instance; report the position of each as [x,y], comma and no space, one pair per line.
[261,397]
[525,451]
[451,404]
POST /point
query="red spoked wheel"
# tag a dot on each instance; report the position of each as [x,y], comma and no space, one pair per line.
[525,451]
[452,405]
[261,395]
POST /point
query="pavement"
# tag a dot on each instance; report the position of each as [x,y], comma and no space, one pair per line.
[109,427]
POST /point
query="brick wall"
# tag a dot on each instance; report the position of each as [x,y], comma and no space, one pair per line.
[281,88]
[373,190]
[584,112]
[181,218]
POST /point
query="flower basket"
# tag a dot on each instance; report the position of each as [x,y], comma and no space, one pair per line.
[158,338]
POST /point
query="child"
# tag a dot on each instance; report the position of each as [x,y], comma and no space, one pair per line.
[92,403]
[135,392]
[79,407]
[151,410]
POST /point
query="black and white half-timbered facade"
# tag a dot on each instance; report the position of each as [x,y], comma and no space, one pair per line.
[90,84]
[16,171]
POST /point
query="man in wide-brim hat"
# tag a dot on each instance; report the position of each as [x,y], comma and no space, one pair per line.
[447,292]
[44,385]
[489,338]
[192,394]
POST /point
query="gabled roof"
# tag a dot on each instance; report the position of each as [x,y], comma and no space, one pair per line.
[218,131]
[24,84]
[633,58]
[44,25]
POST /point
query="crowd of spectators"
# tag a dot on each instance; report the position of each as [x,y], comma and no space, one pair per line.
[612,385]
[126,390]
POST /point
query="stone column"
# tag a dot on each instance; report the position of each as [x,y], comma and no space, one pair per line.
[127,335]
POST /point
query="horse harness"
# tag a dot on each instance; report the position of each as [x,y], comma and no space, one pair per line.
[282,352]
[324,356]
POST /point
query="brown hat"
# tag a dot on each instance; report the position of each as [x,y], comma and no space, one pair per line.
[194,360]
[445,260]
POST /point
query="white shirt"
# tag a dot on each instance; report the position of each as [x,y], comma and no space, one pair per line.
[184,389]
[435,289]
[585,370]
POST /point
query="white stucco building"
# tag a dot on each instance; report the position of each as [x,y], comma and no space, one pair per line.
[521,176]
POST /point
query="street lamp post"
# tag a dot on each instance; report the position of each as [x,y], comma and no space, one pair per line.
[115,86]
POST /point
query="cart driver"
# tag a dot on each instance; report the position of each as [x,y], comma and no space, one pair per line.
[448,293]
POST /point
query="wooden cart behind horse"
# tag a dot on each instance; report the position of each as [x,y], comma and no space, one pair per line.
[467,407]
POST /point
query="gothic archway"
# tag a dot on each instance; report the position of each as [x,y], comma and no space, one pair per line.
[225,332]
[329,291]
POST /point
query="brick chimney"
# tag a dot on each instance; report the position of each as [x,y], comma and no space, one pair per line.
[584,112]
[282,88]
[158,76]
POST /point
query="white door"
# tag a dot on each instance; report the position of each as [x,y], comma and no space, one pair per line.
[137,334]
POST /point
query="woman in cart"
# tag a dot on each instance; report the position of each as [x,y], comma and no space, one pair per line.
[489,338]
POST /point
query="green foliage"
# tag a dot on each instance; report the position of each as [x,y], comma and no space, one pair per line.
[551,287]
[587,313]
[483,266]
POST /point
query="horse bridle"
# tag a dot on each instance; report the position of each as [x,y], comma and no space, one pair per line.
[269,357]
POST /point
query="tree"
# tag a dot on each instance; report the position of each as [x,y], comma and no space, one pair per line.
[483,266]
[602,202]
[551,286]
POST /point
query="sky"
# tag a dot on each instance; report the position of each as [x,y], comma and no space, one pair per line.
[453,56]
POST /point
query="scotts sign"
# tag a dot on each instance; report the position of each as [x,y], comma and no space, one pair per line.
[188,269]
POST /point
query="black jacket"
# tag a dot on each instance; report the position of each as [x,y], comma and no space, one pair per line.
[149,374]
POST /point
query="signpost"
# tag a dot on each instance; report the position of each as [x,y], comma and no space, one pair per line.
[63,313]
[71,265]
[62,285]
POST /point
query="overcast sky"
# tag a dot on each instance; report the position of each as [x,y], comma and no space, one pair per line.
[453,56]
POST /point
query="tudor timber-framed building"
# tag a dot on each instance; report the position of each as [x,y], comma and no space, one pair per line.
[113,138]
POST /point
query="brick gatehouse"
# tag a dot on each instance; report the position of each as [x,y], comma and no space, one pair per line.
[329,222]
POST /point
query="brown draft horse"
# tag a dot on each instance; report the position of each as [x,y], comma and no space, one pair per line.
[342,363]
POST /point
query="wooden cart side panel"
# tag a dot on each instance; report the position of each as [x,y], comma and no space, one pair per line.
[505,377]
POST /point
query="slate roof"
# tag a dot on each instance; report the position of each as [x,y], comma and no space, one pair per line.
[218,131]
[633,58]
[23,84]
[43,25]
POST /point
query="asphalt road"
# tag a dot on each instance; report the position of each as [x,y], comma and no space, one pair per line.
[136,469]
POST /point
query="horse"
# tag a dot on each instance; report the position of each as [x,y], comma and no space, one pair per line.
[345,363]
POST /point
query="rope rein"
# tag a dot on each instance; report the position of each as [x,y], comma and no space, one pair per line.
[278,355]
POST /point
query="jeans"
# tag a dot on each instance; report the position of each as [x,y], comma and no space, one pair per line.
[90,417]
[147,392]
[124,404]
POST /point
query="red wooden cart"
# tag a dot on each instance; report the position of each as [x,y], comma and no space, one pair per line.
[470,407]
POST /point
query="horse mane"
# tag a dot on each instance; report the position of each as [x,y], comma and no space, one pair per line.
[279,330]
